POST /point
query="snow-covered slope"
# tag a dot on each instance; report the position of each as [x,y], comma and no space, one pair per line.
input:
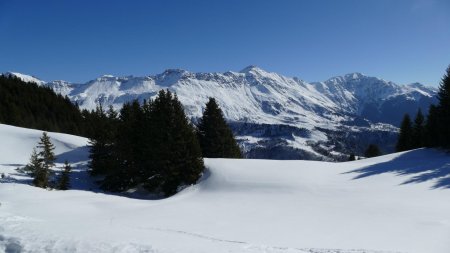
[394,203]
[256,99]
[25,78]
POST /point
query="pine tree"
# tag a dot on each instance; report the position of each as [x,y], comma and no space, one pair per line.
[34,165]
[102,141]
[444,110]
[64,179]
[405,138]
[215,136]
[46,153]
[372,151]
[130,153]
[47,159]
[418,133]
[432,127]
[175,159]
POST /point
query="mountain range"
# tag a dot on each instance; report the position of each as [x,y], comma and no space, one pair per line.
[273,116]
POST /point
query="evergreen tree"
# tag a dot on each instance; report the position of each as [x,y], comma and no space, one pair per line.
[64,179]
[46,153]
[418,134]
[46,158]
[351,157]
[216,138]
[432,127]
[444,110]
[372,151]
[127,153]
[176,155]
[102,141]
[405,138]
[34,165]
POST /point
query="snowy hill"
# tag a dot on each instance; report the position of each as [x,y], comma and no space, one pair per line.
[25,78]
[393,203]
[276,116]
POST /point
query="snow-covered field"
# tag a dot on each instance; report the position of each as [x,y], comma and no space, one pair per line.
[393,203]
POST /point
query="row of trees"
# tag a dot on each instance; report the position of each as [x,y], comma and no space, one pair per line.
[146,144]
[412,135]
[154,145]
[435,130]
[42,162]
[32,106]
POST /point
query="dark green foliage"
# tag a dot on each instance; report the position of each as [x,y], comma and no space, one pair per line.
[64,179]
[153,145]
[46,151]
[372,151]
[405,138]
[34,165]
[176,157]
[128,149]
[431,127]
[351,157]
[438,122]
[444,110]
[215,136]
[418,134]
[42,161]
[28,105]
[102,139]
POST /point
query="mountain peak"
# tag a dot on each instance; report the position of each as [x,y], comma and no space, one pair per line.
[354,75]
[252,68]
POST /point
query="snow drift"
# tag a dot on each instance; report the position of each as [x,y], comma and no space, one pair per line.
[393,203]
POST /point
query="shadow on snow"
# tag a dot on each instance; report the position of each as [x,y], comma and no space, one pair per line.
[422,164]
[80,177]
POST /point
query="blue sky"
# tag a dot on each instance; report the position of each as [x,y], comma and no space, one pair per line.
[401,41]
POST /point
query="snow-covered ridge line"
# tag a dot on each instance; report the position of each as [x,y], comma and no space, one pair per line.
[349,103]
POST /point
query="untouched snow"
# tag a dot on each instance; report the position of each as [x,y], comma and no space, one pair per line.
[25,78]
[393,203]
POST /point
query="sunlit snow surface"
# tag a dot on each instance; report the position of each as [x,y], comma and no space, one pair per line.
[394,203]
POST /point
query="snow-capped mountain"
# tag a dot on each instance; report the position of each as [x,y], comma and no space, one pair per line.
[274,116]
[25,78]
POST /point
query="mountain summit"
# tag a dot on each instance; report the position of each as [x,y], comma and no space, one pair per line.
[274,116]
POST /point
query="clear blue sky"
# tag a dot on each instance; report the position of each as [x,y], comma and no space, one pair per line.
[402,41]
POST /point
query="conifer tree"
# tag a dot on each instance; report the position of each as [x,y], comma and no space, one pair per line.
[215,136]
[372,151]
[432,127]
[125,164]
[102,140]
[176,155]
[405,138]
[438,121]
[34,165]
[444,110]
[47,159]
[46,153]
[64,179]
[418,134]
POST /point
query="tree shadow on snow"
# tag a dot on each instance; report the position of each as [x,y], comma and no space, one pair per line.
[422,164]
[79,154]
